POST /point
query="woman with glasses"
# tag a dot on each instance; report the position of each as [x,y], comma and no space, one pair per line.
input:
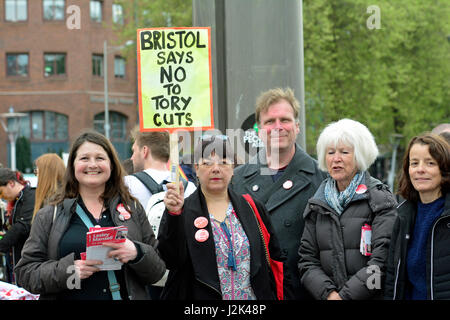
[50,171]
[19,211]
[211,241]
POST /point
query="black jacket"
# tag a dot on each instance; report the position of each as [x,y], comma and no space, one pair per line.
[285,201]
[193,271]
[18,233]
[438,254]
[330,257]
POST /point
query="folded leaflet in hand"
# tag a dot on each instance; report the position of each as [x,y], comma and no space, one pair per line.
[95,250]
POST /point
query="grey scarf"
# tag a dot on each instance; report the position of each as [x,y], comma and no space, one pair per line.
[339,200]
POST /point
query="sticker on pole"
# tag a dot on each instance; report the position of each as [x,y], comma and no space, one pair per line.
[174,79]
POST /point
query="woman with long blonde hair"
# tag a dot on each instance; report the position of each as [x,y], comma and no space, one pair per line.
[50,171]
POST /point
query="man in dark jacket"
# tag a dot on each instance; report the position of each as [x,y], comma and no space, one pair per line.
[21,199]
[283,176]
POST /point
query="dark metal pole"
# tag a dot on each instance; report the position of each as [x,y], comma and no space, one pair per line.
[221,61]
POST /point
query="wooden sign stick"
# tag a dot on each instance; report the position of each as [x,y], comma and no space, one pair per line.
[174,160]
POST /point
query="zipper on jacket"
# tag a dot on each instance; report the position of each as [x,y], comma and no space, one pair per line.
[396,279]
[209,286]
[263,242]
[431,256]
[262,236]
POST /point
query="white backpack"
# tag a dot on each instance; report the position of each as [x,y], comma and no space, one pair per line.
[155,205]
[155,209]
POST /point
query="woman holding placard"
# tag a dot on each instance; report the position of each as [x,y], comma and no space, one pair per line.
[216,243]
[93,194]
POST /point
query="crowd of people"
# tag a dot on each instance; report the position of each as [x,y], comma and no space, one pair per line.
[282,227]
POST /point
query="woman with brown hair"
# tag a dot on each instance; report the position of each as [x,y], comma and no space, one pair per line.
[93,194]
[418,267]
[50,171]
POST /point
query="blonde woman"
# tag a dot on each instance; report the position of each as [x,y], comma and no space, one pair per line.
[50,171]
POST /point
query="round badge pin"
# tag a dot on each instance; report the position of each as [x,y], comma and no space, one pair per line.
[288,184]
[200,222]
[361,189]
[123,213]
[202,235]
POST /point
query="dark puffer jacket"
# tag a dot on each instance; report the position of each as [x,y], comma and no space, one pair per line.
[330,258]
[438,254]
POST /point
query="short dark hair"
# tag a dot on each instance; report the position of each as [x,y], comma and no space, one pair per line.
[6,175]
[214,144]
[439,150]
[156,141]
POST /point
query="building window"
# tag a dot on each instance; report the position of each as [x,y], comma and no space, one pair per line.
[119,67]
[16,10]
[54,64]
[118,125]
[97,65]
[43,125]
[17,64]
[117,13]
[53,9]
[96,10]
[24,125]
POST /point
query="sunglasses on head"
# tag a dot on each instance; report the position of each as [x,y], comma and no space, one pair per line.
[208,137]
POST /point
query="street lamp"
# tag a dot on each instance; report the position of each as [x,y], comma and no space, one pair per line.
[12,130]
[105,79]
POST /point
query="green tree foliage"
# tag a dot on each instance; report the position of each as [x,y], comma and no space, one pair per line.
[394,79]
[151,14]
[23,155]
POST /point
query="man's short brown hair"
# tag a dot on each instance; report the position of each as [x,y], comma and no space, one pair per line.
[156,141]
[269,97]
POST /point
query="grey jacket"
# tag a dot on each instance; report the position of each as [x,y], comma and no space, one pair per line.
[330,257]
[41,272]
[285,201]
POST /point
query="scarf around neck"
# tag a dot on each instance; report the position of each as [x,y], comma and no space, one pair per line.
[339,200]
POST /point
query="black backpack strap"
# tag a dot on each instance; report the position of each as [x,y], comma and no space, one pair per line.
[185,183]
[148,181]
[151,184]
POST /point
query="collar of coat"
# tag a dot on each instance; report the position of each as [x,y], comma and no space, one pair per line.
[408,209]
[300,162]
[69,206]
[377,194]
[203,254]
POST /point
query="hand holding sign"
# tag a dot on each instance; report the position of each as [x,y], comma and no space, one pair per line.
[173,199]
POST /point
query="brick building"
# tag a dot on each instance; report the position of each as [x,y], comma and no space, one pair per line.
[51,68]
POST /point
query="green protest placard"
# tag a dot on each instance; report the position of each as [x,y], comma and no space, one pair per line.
[174,79]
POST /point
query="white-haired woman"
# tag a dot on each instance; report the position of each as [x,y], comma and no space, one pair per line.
[348,222]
